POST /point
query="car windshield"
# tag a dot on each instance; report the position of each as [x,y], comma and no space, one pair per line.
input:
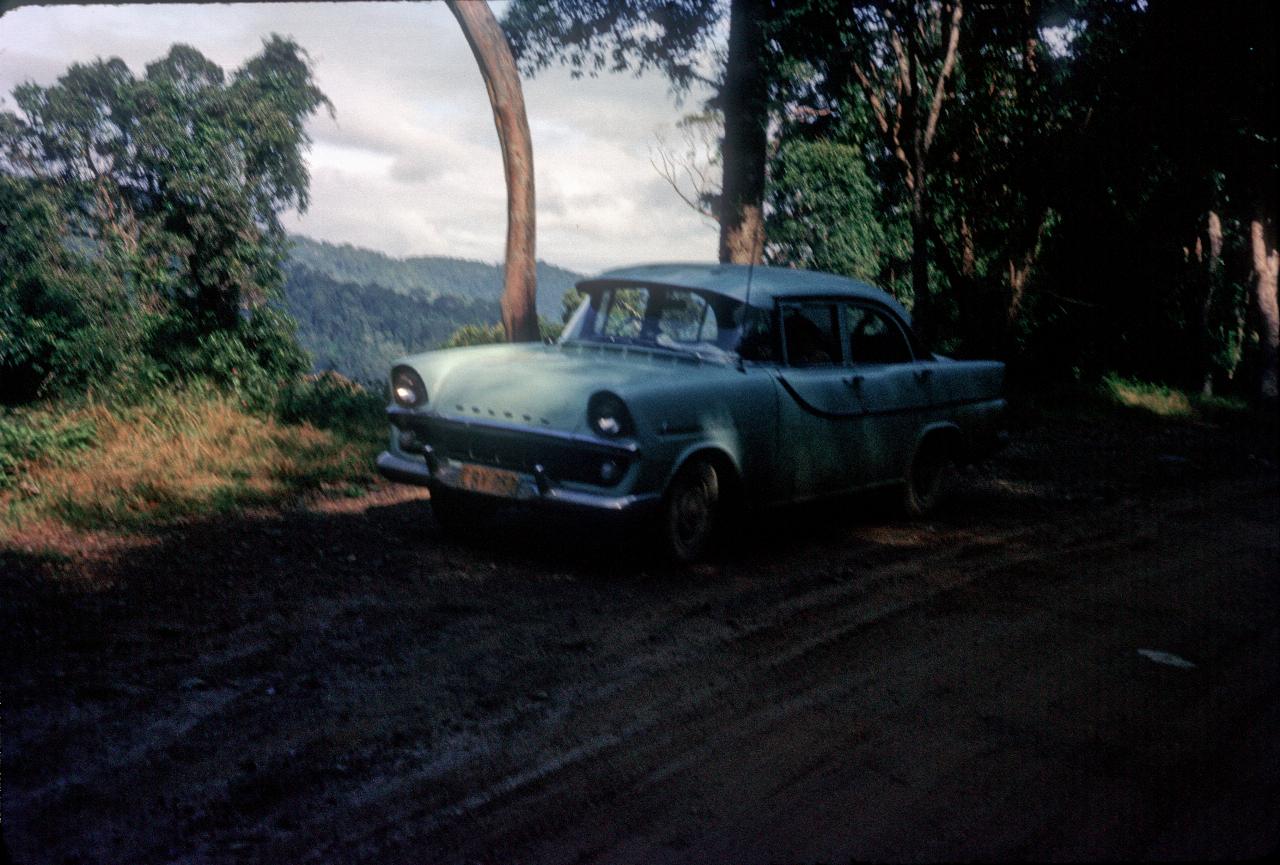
[677,319]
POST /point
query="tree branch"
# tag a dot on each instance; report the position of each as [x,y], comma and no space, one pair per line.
[948,65]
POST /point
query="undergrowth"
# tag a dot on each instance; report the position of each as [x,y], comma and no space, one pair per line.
[190,453]
[1168,402]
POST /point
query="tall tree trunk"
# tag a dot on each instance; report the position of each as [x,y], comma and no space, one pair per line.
[502,80]
[1212,275]
[745,100]
[922,306]
[906,107]
[1262,242]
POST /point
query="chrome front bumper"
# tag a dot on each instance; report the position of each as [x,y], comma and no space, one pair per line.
[533,489]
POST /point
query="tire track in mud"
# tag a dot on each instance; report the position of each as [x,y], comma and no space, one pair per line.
[680,725]
[487,705]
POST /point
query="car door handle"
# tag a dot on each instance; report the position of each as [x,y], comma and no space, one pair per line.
[923,375]
[854,381]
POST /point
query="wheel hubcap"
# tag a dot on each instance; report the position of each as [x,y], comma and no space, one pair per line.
[692,508]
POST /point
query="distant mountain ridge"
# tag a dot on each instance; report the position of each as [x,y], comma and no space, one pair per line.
[358,310]
[425,275]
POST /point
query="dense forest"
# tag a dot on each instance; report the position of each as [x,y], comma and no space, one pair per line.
[425,276]
[140,239]
[357,310]
[1079,187]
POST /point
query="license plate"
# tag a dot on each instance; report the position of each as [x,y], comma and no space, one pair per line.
[493,482]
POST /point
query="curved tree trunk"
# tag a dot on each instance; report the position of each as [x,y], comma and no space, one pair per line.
[502,80]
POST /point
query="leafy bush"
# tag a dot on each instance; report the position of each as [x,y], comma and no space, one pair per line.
[475,334]
[824,213]
[30,437]
[253,360]
[333,402]
[479,334]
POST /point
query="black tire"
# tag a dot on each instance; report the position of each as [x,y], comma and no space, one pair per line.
[692,512]
[930,476]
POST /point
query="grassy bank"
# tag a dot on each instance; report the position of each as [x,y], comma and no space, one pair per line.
[192,453]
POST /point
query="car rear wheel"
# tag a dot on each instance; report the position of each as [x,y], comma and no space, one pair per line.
[930,477]
[691,512]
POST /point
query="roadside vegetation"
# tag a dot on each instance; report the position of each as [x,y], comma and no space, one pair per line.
[158,327]
[195,452]
[148,372]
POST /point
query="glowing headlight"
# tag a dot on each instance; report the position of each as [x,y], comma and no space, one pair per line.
[407,388]
[607,415]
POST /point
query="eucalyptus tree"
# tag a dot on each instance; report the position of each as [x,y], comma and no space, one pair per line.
[899,57]
[680,39]
[506,99]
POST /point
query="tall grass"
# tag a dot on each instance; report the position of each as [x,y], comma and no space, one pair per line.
[193,453]
[1164,401]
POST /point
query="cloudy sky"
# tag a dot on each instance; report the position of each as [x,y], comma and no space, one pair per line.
[410,163]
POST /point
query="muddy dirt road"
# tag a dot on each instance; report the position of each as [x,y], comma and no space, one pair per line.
[343,684]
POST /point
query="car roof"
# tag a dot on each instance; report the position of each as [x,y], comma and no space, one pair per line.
[730,280]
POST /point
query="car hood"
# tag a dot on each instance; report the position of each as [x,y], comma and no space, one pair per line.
[544,385]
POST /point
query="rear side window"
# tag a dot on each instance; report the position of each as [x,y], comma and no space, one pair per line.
[874,337]
[811,334]
[686,317]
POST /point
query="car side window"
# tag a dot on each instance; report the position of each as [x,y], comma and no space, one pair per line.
[624,312]
[811,334]
[684,317]
[759,339]
[874,337]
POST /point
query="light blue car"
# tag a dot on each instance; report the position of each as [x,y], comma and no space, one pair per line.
[690,392]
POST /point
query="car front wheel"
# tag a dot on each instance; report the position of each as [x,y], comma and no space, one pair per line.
[691,512]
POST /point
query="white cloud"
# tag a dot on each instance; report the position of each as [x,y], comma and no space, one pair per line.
[410,163]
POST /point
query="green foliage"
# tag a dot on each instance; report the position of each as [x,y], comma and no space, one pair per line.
[360,329]
[823,213]
[1079,151]
[39,436]
[570,303]
[333,402]
[253,360]
[1157,399]
[65,318]
[476,334]
[481,334]
[142,240]
[358,310]
[591,36]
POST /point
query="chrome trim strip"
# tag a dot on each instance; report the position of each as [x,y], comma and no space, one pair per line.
[407,471]
[627,447]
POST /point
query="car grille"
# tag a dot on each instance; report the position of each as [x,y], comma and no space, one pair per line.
[518,450]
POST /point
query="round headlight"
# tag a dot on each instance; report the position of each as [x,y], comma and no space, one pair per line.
[407,388]
[607,415]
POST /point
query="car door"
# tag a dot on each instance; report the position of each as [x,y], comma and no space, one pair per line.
[819,410]
[890,388]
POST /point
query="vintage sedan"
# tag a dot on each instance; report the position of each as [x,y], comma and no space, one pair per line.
[690,392]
